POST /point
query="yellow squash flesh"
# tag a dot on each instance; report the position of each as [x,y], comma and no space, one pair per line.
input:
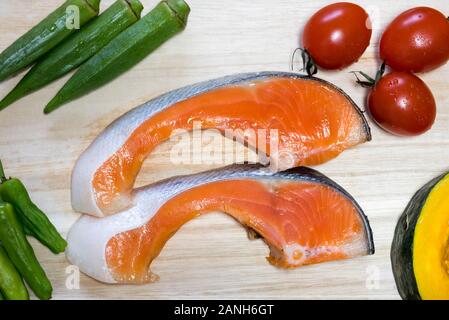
[430,244]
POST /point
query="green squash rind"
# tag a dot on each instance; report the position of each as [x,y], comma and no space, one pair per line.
[402,246]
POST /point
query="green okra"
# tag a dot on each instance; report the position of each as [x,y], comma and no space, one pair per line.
[45,35]
[11,283]
[21,253]
[130,47]
[35,222]
[78,48]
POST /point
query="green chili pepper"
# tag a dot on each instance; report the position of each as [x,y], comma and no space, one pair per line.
[34,221]
[21,253]
[131,46]
[11,283]
[46,35]
[77,48]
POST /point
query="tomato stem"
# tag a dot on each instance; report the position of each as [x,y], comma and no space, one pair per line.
[308,64]
[380,72]
[369,82]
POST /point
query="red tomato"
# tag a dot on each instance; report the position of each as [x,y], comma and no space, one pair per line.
[416,41]
[337,35]
[401,103]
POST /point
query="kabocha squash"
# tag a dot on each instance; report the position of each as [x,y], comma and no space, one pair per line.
[420,249]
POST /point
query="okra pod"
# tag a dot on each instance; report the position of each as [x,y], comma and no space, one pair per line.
[46,35]
[11,283]
[21,253]
[35,222]
[78,48]
[131,46]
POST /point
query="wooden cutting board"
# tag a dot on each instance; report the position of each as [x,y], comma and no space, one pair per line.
[211,257]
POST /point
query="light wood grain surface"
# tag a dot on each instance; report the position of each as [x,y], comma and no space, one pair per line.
[211,257]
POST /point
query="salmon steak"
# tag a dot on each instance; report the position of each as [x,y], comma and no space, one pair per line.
[303,216]
[314,122]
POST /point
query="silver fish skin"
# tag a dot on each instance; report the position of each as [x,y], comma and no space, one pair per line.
[116,134]
[88,237]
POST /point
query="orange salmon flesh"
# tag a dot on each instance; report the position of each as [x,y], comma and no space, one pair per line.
[315,123]
[302,223]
